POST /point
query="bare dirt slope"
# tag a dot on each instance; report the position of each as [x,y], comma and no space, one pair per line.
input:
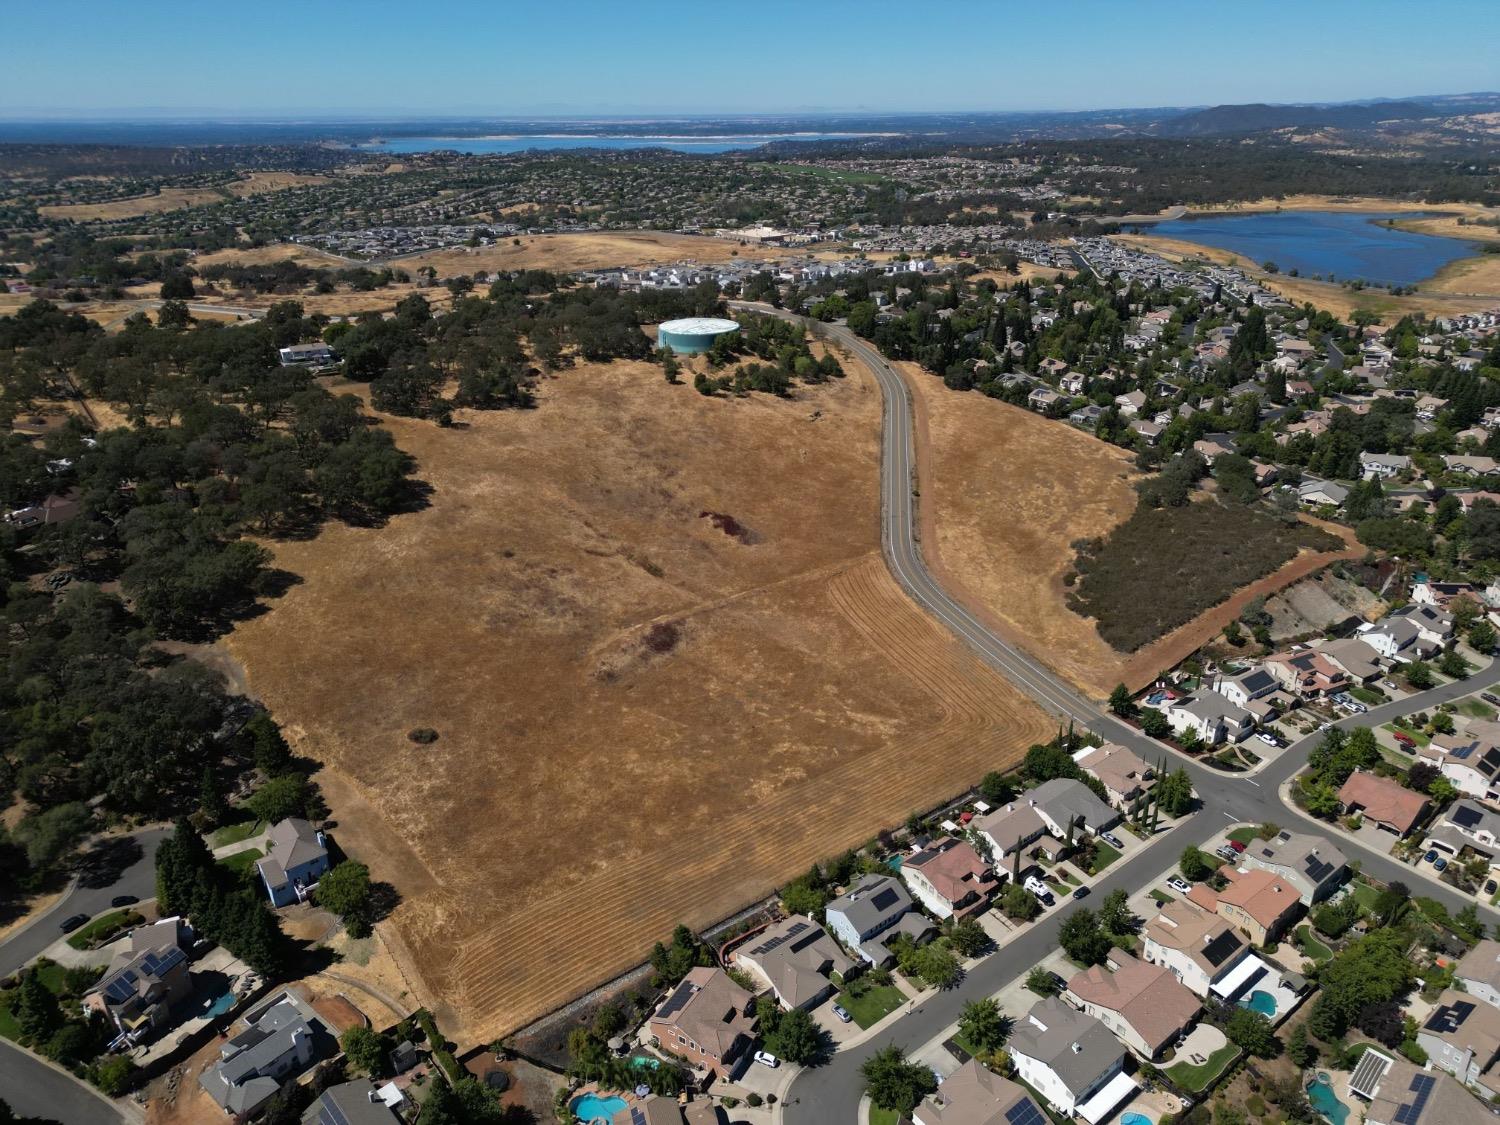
[642,719]
[1004,495]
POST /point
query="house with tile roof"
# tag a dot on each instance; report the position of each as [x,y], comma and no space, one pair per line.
[975,1095]
[796,958]
[1145,1006]
[1383,801]
[707,1019]
[1310,863]
[1262,904]
[949,878]
[1462,1036]
[1201,949]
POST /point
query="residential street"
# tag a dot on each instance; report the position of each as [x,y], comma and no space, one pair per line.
[34,1089]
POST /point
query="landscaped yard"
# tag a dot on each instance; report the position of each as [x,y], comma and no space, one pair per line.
[879,1116]
[234,833]
[1364,894]
[873,1005]
[1161,898]
[242,861]
[1476,709]
[1311,945]
[1242,835]
[52,977]
[1104,855]
[1194,1078]
[1368,695]
[115,920]
[1415,735]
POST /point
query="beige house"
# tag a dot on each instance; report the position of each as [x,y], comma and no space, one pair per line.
[1261,903]
[975,1095]
[1144,1005]
[1124,775]
[706,1019]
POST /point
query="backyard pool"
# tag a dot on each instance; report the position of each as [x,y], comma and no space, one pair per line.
[591,1107]
[219,1006]
[1320,1094]
[1135,1119]
[1261,1001]
[646,1061]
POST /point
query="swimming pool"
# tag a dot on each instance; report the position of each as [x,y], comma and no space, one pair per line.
[1261,1001]
[646,1061]
[894,862]
[1135,1119]
[220,1005]
[591,1107]
[1320,1094]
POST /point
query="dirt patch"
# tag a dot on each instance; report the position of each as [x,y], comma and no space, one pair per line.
[587,252]
[1318,603]
[1005,493]
[566,819]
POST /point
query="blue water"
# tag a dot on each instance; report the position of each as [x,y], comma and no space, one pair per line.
[490,146]
[220,1005]
[1350,245]
[1135,1119]
[646,1061]
[1262,1002]
[591,1107]
[1320,1094]
[894,863]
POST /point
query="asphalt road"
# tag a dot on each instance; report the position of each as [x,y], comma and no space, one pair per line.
[33,1089]
[138,879]
[831,1093]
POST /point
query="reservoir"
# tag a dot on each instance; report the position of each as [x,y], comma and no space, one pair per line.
[1350,245]
[490,146]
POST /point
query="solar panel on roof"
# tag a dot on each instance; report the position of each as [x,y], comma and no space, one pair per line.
[1421,1087]
[1024,1112]
[331,1114]
[885,899]
[1461,753]
[1221,947]
[1491,759]
[1467,815]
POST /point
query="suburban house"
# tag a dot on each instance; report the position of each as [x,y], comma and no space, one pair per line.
[949,878]
[1383,466]
[1399,1093]
[296,855]
[1131,403]
[145,979]
[1015,827]
[1043,815]
[1462,1036]
[1383,801]
[1203,950]
[315,355]
[707,1019]
[351,1103]
[1124,775]
[1045,399]
[281,1039]
[1413,632]
[1479,971]
[1472,466]
[1144,1005]
[975,1095]
[1470,760]
[1263,905]
[1071,1059]
[796,958]
[1241,688]
[1436,625]
[1310,863]
[1318,493]
[1424,591]
[1356,659]
[1307,674]
[1210,717]
[876,907]
[1467,824]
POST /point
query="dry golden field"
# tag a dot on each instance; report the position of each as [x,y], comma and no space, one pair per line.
[587,251]
[642,719]
[170,199]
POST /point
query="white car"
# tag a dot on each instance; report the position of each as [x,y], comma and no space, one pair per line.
[765,1058]
[1268,739]
[1388,685]
[1038,888]
[1179,884]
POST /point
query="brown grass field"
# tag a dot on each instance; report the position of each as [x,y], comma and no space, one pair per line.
[170,199]
[642,720]
[589,251]
[1322,294]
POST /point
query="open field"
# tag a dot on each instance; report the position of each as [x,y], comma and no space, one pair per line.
[1321,294]
[269,255]
[642,719]
[1479,275]
[1004,494]
[594,250]
[170,199]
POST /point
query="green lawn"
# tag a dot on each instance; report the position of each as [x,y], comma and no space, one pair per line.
[882,1116]
[1477,709]
[1243,835]
[1415,735]
[1161,898]
[1368,695]
[1195,1078]
[83,937]
[874,1005]
[1311,945]
[242,861]
[234,833]
[1104,855]
[52,977]
[1365,894]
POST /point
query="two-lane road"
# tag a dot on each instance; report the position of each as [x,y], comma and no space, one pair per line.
[831,1093]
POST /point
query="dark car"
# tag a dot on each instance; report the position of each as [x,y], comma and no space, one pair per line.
[1081,892]
[72,922]
[124,900]
[1490,697]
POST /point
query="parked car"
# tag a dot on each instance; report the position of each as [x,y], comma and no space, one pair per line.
[124,900]
[1226,852]
[1179,884]
[1440,864]
[1237,845]
[72,922]
[1431,856]
[1040,889]
[1490,697]
[1268,739]
[1111,839]
[840,1014]
[1405,739]
[765,1058]
[1489,887]
[1389,685]
[1081,892]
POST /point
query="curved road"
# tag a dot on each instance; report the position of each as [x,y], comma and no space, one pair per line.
[831,1093]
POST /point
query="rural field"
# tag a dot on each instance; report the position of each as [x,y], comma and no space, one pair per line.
[665,661]
[1335,298]
[170,199]
[588,251]
[1005,493]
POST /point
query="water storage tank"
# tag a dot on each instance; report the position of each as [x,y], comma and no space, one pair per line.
[693,335]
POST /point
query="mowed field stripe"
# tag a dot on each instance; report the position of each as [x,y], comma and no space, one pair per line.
[545,951]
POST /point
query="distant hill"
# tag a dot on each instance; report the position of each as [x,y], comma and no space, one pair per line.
[1260,118]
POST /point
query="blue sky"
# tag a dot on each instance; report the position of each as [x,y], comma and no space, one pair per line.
[275,57]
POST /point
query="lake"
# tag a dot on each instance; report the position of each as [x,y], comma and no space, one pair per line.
[1350,245]
[489,146]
